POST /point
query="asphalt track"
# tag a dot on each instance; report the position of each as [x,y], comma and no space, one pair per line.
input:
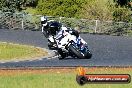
[106,50]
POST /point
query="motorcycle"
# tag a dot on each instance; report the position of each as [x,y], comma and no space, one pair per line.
[71,45]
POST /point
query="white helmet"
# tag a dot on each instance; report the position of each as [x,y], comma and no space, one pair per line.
[44,20]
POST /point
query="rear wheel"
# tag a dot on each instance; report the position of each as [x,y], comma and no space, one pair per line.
[75,51]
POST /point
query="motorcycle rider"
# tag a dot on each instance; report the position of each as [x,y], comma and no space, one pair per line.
[56,35]
[49,29]
[60,33]
[44,23]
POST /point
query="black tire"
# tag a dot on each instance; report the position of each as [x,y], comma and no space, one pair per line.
[89,55]
[76,52]
[61,57]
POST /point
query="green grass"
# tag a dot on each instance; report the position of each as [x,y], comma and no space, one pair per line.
[30,10]
[10,51]
[38,81]
[56,80]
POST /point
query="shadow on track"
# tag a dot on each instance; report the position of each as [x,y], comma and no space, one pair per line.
[70,58]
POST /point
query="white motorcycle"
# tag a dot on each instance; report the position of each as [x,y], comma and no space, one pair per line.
[67,42]
[72,45]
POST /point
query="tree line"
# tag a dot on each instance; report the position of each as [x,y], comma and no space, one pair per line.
[117,10]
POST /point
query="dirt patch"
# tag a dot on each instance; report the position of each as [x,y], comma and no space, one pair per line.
[91,70]
[34,71]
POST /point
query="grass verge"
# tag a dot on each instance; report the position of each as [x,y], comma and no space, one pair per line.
[56,78]
[9,51]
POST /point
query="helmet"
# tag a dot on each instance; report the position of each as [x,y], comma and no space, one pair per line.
[54,27]
[44,20]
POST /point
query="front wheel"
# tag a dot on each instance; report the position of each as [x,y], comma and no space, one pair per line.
[76,51]
[88,55]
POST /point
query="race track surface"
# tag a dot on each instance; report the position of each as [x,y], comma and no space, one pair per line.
[106,50]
